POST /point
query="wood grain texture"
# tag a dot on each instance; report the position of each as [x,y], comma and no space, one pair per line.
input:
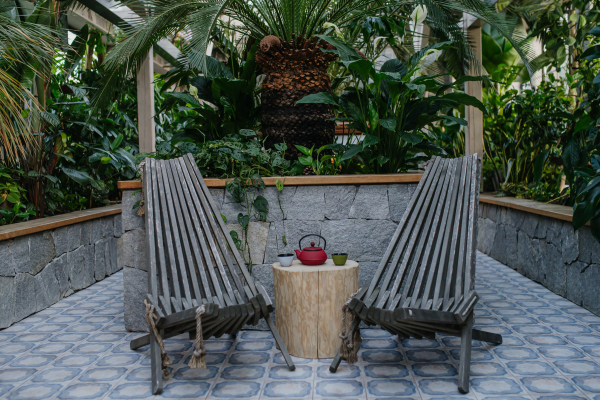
[308,303]
[308,180]
[564,213]
[43,224]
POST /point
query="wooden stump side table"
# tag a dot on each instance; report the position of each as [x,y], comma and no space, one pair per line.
[308,305]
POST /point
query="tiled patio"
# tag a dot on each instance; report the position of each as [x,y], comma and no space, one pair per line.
[79,349]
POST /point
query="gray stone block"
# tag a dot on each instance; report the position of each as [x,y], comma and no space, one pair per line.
[569,244]
[307,204]
[376,236]
[112,256]
[47,287]
[231,212]
[61,240]
[516,218]
[135,285]
[118,231]
[74,234]
[25,296]
[277,213]
[274,241]
[555,270]
[589,248]
[366,271]
[554,232]
[7,266]
[491,212]
[109,227]
[19,249]
[542,227]
[61,269]
[528,256]
[575,282]
[86,232]
[7,301]
[399,196]
[217,196]
[338,201]
[530,224]
[100,249]
[498,251]
[129,218]
[132,249]
[258,233]
[42,246]
[590,294]
[371,202]
[77,268]
[486,235]
[97,230]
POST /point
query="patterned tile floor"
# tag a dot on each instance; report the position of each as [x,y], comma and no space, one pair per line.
[78,349]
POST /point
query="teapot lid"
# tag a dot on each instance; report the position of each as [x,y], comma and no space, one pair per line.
[312,247]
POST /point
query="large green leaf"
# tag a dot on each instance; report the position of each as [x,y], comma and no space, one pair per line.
[81,177]
[318,98]
[76,50]
[463,98]
[591,53]
[538,166]
[345,51]
[571,156]
[585,210]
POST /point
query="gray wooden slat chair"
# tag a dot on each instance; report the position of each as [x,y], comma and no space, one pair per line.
[194,285]
[425,281]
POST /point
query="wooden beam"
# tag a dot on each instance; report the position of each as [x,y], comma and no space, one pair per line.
[414,177]
[474,116]
[145,96]
[56,221]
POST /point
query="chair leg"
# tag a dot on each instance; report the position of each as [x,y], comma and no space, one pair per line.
[139,342]
[156,367]
[338,357]
[336,362]
[464,369]
[488,337]
[280,343]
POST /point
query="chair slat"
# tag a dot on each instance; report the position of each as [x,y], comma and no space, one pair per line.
[236,254]
[472,227]
[205,217]
[189,238]
[455,235]
[150,234]
[168,230]
[399,231]
[177,226]
[204,261]
[413,231]
[464,219]
[435,258]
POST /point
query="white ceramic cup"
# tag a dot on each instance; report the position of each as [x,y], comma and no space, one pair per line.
[285,259]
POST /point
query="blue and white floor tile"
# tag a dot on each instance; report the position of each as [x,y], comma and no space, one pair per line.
[79,349]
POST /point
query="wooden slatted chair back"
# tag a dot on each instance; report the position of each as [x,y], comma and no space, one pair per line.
[192,258]
[430,262]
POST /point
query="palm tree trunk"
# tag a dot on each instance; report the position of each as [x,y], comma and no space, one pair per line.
[294,70]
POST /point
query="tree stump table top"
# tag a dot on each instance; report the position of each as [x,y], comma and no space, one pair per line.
[308,305]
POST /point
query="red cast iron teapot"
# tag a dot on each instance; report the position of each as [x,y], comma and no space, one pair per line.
[312,255]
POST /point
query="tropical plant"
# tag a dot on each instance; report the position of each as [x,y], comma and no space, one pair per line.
[27,49]
[390,109]
[522,132]
[319,161]
[219,103]
[581,152]
[296,60]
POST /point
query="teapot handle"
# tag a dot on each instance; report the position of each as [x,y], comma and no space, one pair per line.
[312,234]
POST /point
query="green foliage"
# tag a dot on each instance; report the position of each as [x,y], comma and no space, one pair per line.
[318,160]
[398,123]
[13,200]
[522,134]
[581,153]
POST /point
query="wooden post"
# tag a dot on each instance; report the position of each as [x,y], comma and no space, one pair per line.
[474,116]
[145,96]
